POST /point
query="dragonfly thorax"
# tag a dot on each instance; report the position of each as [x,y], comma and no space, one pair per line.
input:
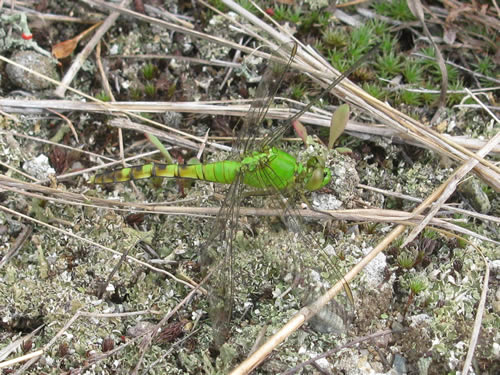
[277,169]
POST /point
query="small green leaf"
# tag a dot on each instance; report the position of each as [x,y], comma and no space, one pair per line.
[337,125]
[156,142]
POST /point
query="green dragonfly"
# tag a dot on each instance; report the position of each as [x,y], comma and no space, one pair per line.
[252,167]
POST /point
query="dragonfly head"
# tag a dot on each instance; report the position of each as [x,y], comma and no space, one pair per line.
[318,175]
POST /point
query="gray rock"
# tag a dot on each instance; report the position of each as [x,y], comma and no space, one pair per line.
[471,189]
[39,167]
[399,364]
[33,60]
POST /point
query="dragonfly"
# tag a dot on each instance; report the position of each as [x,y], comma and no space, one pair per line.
[254,167]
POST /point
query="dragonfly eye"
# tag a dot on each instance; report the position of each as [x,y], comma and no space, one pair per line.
[317,180]
[319,175]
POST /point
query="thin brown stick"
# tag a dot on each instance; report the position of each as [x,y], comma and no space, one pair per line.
[33,14]
[191,60]
[29,177]
[353,215]
[82,56]
[20,240]
[36,139]
[477,321]
[223,108]
[170,16]
[68,121]
[104,79]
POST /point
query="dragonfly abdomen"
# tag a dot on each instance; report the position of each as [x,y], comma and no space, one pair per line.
[222,172]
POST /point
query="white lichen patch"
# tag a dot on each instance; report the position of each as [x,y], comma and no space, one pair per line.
[373,273]
[39,167]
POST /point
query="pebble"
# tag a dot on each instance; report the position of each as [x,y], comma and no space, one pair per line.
[472,190]
[35,61]
[399,364]
[39,167]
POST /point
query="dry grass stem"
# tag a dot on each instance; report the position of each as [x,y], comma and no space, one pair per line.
[9,133]
[29,177]
[361,215]
[446,207]
[30,356]
[191,60]
[20,240]
[33,14]
[82,56]
[222,108]
[68,122]
[477,321]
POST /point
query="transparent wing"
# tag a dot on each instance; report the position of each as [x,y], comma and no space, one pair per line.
[307,258]
[269,84]
[218,249]
[218,252]
[281,130]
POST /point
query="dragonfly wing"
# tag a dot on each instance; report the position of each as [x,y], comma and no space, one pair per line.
[285,126]
[218,252]
[269,84]
[218,249]
[312,264]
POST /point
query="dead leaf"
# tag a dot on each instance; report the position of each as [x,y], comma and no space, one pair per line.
[300,130]
[66,48]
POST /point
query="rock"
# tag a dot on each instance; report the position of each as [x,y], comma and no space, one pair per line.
[39,167]
[399,364]
[471,189]
[35,61]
